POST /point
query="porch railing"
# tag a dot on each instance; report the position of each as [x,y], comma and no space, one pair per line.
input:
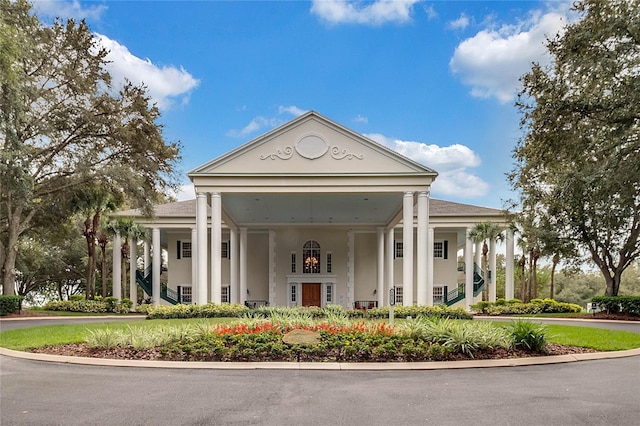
[365,304]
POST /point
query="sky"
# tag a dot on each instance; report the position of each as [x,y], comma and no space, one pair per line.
[435,81]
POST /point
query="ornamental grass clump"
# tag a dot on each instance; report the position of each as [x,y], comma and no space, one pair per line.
[528,335]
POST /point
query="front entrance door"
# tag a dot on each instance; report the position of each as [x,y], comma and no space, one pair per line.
[311,294]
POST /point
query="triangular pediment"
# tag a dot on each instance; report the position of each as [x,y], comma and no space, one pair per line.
[311,144]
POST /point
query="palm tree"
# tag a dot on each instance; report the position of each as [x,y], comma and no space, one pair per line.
[483,232]
[92,201]
[129,231]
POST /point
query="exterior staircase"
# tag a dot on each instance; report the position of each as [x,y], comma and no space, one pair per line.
[143,279]
[458,294]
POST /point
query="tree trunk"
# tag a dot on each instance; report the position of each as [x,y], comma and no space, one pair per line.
[613,284]
[8,268]
[523,281]
[555,261]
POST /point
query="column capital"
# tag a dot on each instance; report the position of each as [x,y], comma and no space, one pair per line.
[408,193]
[423,193]
[201,194]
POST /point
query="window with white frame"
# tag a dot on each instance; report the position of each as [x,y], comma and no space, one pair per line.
[311,257]
[185,294]
[438,249]
[329,265]
[398,295]
[293,294]
[293,262]
[224,250]
[398,251]
[186,249]
[329,293]
[226,294]
[438,294]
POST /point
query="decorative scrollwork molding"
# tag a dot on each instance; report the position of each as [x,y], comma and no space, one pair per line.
[283,154]
[340,154]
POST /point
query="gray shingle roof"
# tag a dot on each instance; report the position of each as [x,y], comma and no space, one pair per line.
[436,208]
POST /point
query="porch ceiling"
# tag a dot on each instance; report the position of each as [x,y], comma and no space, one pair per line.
[352,208]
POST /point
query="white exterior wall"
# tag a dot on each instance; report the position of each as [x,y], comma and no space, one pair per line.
[445,270]
[178,270]
[366,271]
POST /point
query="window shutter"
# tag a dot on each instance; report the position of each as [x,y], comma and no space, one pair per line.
[179,251]
[445,249]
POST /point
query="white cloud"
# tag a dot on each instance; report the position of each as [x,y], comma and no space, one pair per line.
[291,109]
[185,192]
[68,9]
[361,119]
[355,12]
[493,60]
[451,162]
[459,24]
[261,123]
[166,84]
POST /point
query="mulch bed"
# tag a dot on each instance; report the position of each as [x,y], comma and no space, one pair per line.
[81,349]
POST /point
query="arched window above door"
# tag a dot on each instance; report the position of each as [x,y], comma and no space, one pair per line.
[311,257]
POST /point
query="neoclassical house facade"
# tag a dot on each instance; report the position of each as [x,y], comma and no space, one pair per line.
[312,213]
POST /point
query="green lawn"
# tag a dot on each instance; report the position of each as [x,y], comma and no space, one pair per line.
[599,339]
[51,335]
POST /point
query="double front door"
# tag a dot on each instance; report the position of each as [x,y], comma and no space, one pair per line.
[311,294]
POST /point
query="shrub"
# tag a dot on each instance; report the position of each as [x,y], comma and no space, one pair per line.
[77,297]
[536,306]
[10,304]
[622,304]
[481,307]
[109,304]
[528,335]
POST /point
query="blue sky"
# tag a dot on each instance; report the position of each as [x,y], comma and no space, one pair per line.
[433,80]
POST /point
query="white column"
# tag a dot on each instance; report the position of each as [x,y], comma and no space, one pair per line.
[468,276]
[157,266]
[233,264]
[243,265]
[194,265]
[492,268]
[380,267]
[272,267]
[422,256]
[430,240]
[216,248]
[478,254]
[116,280]
[147,256]
[407,244]
[388,267]
[133,267]
[509,258]
[200,292]
[351,276]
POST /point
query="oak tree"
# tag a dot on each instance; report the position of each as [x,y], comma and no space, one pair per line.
[578,165]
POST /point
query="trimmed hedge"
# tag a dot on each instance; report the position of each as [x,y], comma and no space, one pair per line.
[233,310]
[536,306]
[619,304]
[10,304]
[109,304]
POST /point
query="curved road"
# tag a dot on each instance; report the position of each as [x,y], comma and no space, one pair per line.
[602,392]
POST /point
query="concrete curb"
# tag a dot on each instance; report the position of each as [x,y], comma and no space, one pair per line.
[533,319]
[70,317]
[364,366]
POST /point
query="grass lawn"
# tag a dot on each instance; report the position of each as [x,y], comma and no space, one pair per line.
[21,339]
[40,311]
[51,335]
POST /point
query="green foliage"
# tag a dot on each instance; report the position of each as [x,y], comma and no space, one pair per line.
[536,306]
[528,335]
[69,132]
[577,168]
[622,304]
[10,304]
[109,304]
[197,311]
[439,311]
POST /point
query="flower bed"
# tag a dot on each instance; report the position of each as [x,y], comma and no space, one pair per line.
[339,340]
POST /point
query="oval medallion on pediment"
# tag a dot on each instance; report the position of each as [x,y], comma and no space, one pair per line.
[311,146]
